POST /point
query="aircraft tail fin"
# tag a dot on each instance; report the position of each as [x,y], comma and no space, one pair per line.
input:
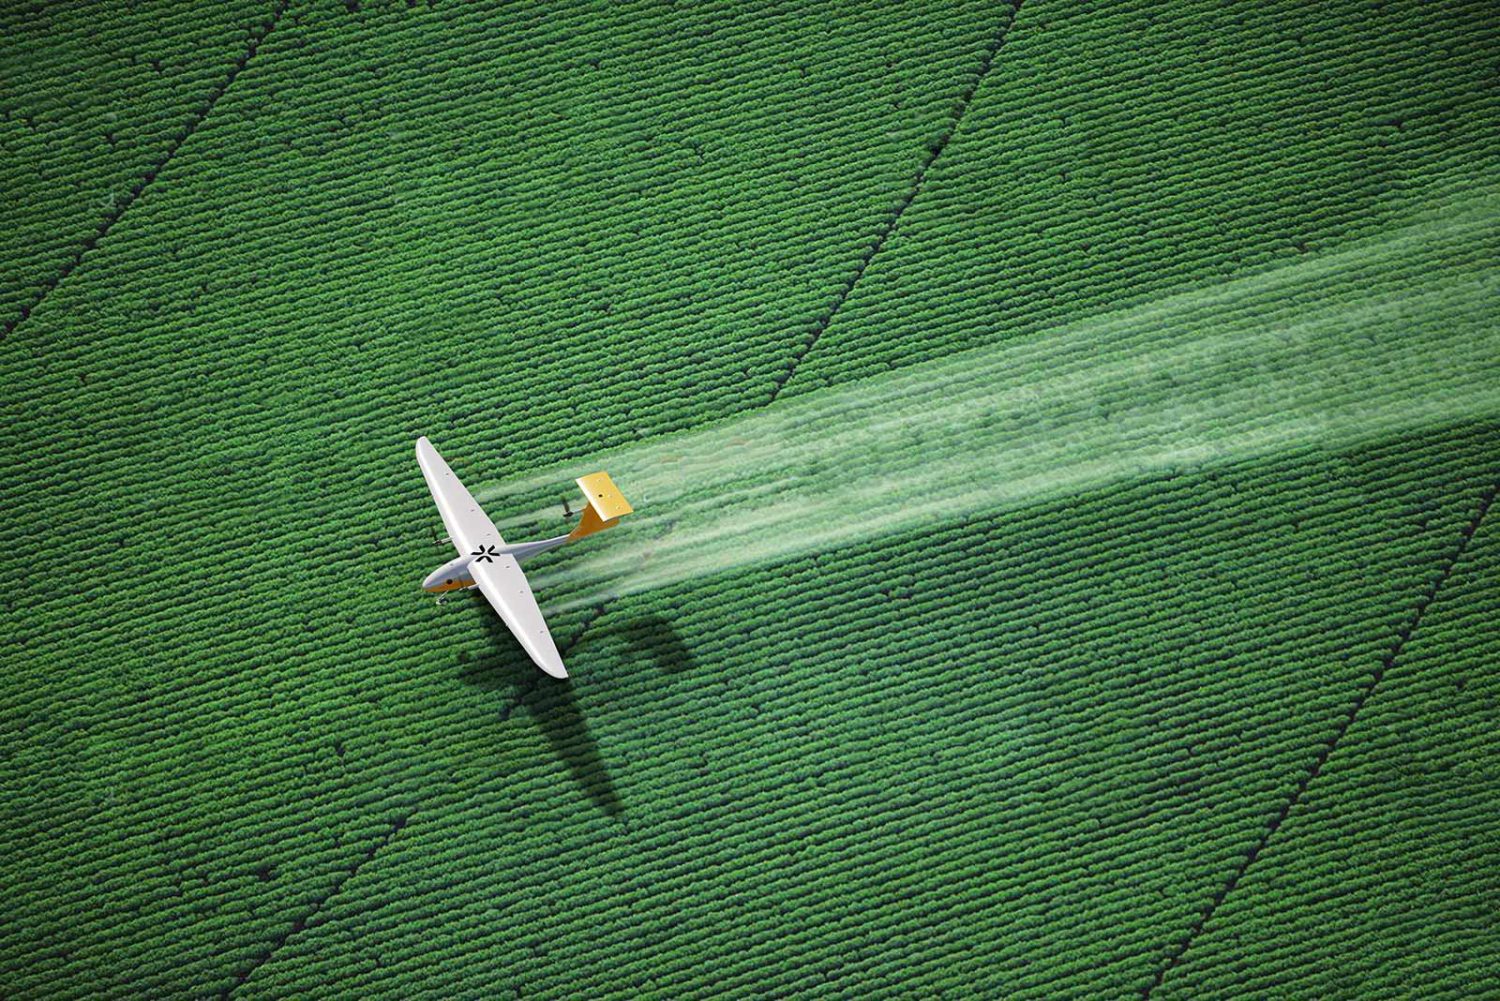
[606,505]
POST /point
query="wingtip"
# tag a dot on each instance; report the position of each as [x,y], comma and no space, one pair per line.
[555,670]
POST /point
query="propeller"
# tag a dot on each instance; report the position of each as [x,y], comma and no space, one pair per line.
[483,554]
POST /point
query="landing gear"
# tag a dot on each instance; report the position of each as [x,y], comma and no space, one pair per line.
[447,596]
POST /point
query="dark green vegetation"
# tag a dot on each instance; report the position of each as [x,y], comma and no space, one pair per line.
[92,103]
[1205,731]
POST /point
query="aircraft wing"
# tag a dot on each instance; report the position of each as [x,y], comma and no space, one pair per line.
[467,524]
[501,580]
[499,576]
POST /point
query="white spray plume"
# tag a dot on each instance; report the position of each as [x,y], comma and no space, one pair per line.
[1389,336]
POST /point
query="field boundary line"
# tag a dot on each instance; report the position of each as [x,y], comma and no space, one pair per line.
[257,36]
[1403,635]
[301,921]
[960,107]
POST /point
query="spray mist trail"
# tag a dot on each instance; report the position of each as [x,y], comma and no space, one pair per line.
[1387,337]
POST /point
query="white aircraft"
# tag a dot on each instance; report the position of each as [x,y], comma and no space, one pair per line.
[486,562]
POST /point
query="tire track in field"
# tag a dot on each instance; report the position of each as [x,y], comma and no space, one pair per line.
[139,188]
[933,152]
[1403,636]
[300,922]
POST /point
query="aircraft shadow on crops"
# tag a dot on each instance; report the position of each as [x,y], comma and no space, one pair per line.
[654,639]
[502,667]
[553,704]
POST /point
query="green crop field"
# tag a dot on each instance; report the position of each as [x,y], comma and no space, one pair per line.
[1063,439]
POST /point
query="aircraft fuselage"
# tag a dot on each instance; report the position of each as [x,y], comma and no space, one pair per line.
[451,576]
